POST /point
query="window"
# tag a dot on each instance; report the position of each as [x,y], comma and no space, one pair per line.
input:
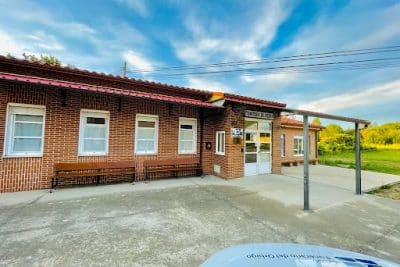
[187,136]
[93,133]
[298,146]
[283,145]
[146,134]
[24,130]
[220,143]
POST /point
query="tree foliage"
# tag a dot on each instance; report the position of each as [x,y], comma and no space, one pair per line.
[386,134]
[316,121]
[43,59]
[334,139]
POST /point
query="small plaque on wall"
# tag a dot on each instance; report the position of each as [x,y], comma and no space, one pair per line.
[237,132]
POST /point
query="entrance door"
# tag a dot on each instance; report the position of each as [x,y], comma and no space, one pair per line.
[257,150]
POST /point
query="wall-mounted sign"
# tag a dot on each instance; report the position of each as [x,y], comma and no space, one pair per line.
[237,132]
[259,115]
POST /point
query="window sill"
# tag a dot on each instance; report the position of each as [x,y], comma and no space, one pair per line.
[187,153]
[299,155]
[220,154]
[92,154]
[146,154]
[23,156]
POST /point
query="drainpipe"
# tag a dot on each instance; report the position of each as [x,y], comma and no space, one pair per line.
[201,138]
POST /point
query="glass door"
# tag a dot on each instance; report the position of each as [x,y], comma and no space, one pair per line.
[251,147]
[257,150]
[264,153]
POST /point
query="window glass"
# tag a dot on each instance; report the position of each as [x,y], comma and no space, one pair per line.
[250,158]
[283,145]
[187,136]
[146,134]
[298,145]
[28,129]
[266,147]
[251,125]
[93,132]
[27,145]
[220,142]
[251,147]
[25,130]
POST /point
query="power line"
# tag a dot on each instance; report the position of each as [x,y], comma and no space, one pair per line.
[309,56]
[287,67]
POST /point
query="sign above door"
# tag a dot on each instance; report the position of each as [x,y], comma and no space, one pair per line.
[259,115]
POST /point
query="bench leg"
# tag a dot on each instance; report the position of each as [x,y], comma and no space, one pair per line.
[54,183]
[133,178]
[97,179]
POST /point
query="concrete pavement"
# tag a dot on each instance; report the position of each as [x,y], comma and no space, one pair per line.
[181,222]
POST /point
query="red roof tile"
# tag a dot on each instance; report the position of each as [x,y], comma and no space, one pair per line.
[185,90]
[94,74]
[102,89]
[292,122]
[253,101]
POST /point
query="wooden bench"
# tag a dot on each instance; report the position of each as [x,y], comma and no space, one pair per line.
[296,162]
[95,169]
[172,166]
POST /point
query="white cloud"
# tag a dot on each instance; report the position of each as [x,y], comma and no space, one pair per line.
[348,29]
[138,62]
[218,41]
[45,41]
[138,5]
[45,18]
[204,84]
[9,45]
[373,95]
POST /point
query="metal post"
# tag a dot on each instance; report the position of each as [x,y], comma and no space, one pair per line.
[358,159]
[306,161]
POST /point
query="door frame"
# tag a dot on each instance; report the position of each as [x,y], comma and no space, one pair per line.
[258,145]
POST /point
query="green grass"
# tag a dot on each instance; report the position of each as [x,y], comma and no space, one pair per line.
[385,161]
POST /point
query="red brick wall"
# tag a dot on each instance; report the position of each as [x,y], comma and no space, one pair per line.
[62,132]
[290,132]
[232,163]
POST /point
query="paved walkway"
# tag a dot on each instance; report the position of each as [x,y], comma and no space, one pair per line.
[343,177]
[181,222]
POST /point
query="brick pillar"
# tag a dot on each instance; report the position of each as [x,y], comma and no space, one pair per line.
[276,148]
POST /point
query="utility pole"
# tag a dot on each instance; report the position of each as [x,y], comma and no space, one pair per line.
[124,69]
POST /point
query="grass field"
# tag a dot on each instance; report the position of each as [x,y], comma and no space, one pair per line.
[385,161]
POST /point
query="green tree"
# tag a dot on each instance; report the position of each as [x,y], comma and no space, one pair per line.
[316,121]
[43,59]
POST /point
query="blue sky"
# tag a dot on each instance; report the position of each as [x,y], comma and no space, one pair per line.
[100,35]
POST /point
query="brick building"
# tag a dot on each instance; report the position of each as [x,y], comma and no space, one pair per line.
[292,141]
[51,114]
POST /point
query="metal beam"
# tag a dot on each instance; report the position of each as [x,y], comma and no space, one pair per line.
[325,116]
[358,159]
[306,154]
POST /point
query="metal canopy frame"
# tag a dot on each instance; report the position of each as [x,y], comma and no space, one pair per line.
[357,123]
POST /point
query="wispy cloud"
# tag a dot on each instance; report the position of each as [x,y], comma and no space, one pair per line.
[138,5]
[205,84]
[138,62]
[45,41]
[219,42]
[373,95]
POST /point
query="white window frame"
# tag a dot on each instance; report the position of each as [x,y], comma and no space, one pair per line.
[96,114]
[26,109]
[152,118]
[283,145]
[193,121]
[217,140]
[296,150]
